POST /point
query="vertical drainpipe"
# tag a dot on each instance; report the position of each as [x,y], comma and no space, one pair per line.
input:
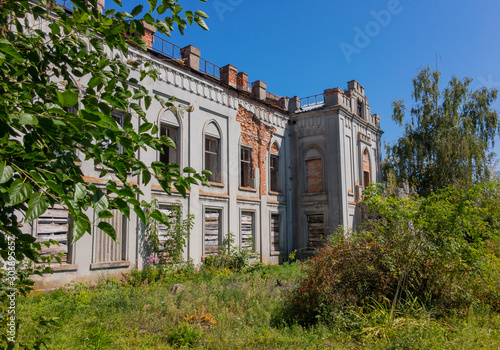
[191,165]
[288,244]
[228,167]
[138,224]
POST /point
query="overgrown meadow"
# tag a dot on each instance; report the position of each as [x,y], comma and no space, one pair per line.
[421,273]
[222,309]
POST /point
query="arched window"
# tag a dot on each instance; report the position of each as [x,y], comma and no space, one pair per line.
[314,170]
[366,168]
[274,185]
[212,152]
[170,127]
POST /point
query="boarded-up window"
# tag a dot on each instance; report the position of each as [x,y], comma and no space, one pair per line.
[247,229]
[314,169]
[246,178]
[274,170]
[275,232]
[316,230]
[54,225]
[165,233]
[212,231]
[170,155]
[105,249]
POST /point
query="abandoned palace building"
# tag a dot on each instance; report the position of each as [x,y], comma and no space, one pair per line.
[286,171]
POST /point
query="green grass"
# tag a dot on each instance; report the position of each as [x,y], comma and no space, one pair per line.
[224,310]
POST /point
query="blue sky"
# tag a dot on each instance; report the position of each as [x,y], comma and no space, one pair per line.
[299,47]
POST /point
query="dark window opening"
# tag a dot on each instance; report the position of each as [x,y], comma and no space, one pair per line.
[118,117]
[274,169]
[246,178]
[366,168]
[212,151]
[366,179]
[170,155]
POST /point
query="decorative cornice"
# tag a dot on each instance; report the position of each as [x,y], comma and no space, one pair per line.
[209,90]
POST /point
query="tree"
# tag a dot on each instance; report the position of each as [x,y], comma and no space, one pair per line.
[449,137]
[44,137]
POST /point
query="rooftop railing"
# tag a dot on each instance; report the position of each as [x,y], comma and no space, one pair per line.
[312,100]
[209,68]
[166,48]
[67,4]
[173,52]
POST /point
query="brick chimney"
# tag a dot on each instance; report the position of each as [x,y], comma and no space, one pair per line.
[228,75]
[334,96]
[149,34]
[242,81]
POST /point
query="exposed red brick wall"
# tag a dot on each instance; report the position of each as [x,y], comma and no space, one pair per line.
[330,92]
[232,77]
[257,135]
[314,169]
[148,38]
[242,79]
[366,161]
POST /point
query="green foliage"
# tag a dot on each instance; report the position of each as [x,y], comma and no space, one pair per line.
[230,256]
[432,250]
[160,272]
[177,228]
[59,88]
[243,305]
[185,335]
[448,139]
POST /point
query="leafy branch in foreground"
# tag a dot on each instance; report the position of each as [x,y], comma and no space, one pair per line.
[60,88]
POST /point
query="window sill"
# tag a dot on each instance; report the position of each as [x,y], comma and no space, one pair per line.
[64,267]
[109,265]
[247,189]
[307,194]
[216,184]
[276,253]
[275,193]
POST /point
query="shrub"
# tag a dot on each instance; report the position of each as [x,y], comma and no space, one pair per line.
[168,248]
[185,335]
[160,272]
[230,256]
[431,249]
